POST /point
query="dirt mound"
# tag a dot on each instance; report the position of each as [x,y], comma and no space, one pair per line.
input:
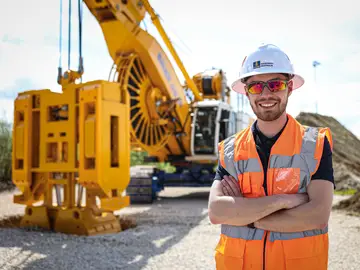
[351,204]
[346,154]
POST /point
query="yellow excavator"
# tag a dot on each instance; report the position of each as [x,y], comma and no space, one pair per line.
[71,150]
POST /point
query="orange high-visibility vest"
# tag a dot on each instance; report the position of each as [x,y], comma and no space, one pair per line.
[294,158]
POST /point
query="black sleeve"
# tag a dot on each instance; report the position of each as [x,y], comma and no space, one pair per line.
[325,170]
[220,172]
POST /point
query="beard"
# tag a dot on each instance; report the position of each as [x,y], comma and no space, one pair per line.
[269,114]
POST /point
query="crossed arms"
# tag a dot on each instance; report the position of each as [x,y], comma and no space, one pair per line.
[279,213]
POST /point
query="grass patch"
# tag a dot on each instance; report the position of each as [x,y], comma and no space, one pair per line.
[137,158]
[5,155]
[345,192]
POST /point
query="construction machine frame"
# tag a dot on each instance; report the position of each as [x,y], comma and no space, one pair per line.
[71,150]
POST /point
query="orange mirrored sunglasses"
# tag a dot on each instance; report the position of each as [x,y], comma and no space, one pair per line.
[274,85]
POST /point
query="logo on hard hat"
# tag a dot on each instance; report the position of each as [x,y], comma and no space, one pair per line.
[259,64]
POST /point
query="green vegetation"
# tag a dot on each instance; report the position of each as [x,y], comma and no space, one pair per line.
[137,158]
[5,155]
[345,192]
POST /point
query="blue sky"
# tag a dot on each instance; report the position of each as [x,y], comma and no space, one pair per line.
[206,34]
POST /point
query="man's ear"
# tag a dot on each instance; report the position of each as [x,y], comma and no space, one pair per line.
[290,87]
[246,92]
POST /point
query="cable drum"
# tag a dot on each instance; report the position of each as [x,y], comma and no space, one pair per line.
[149,108]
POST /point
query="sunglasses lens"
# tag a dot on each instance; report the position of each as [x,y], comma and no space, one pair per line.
[274,86]
[255,88]
[277,85]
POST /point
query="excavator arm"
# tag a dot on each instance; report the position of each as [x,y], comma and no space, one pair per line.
[159,109]
[159,113]
[134,12]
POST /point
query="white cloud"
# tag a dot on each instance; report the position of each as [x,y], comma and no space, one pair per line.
[34,62]
[351,64]
[6,110]
[340,101]
[355,128]
[215,35]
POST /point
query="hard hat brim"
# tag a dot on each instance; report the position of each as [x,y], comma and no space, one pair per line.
[239,87]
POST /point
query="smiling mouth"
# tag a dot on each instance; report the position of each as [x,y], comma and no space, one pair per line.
[267,105]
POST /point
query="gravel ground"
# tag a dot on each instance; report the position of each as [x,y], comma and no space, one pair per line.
[173,233]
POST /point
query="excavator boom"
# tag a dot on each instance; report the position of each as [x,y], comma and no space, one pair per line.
[159,109]
[156,21]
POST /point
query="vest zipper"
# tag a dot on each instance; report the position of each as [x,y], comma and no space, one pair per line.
[264,251]
[266,194]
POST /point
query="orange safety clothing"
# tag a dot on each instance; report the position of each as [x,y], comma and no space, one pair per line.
[294,158]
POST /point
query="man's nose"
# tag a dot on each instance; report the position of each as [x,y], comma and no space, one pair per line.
[266,92]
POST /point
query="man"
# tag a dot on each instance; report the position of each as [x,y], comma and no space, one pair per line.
[275,182]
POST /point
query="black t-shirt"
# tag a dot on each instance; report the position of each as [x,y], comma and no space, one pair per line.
[263,145]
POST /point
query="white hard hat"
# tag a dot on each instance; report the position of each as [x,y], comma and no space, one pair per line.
[267,58]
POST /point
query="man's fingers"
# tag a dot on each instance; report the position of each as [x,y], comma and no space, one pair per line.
[232,184]
[225,191]
[233,181]
[229,191]
[228,188]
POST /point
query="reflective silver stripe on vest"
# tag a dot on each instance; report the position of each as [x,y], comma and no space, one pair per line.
[249,165]
[288,236]
[242,232]
[305,161]
[229,145]
[307,164]
[241,166]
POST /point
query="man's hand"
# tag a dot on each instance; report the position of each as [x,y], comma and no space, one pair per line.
[230,187]
[294,200]
[235,209]
[310,215]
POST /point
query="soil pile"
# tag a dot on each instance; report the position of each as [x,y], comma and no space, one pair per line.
[346,152]
[346,158]
[351,204]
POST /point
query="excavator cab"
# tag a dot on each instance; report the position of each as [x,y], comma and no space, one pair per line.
[213,121]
